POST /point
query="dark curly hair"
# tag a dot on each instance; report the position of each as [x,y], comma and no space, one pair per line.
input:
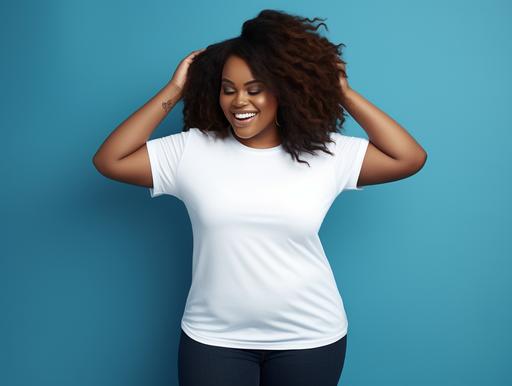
[297,64]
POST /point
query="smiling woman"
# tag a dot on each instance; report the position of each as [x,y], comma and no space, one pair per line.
[279,68]
[263,300]
[248,105]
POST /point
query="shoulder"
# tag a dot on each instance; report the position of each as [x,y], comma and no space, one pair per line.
[198,133]
[343,139]
[344,142]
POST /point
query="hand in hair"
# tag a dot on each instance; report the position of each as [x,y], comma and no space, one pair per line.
[343,77]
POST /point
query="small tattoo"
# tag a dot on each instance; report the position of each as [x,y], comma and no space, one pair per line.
[167,106]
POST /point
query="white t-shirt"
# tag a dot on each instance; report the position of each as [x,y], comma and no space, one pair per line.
[260,277]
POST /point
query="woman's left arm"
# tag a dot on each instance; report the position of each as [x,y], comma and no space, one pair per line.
[392,153]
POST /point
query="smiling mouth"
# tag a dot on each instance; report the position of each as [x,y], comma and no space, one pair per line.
[245,120]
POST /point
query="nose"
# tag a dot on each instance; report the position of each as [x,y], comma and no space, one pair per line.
[239,100]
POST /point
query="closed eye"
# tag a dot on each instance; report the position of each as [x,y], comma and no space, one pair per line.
[250,92]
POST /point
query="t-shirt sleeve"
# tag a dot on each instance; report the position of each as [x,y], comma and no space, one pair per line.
[165,155]
[350,152]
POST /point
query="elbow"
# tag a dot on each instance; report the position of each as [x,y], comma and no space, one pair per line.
[95,162]
[106,168]
[418,163]
[423,159]
[99,165]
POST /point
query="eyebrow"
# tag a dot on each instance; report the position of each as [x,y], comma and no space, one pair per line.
[245,84]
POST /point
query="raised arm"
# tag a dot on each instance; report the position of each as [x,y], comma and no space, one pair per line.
[123,155]
[392,153]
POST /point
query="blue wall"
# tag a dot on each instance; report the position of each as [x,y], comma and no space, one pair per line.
[94,273]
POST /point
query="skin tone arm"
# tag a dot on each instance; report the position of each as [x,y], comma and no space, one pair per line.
[392,153]
[123,156]
[136,129]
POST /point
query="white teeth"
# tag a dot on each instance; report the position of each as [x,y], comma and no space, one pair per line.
[247,115]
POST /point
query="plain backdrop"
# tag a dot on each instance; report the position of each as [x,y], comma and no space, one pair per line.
[94,273]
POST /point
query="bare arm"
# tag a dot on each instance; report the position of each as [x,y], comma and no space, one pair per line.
[392,153]
[133,133]
[124,156]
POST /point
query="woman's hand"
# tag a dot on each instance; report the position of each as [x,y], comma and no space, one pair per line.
[343,77]
[180,75]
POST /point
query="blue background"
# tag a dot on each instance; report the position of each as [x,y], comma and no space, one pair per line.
[95,273]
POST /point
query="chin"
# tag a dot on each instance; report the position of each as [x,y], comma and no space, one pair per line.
[245,132]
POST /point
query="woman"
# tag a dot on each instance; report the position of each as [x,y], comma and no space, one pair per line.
[258,165]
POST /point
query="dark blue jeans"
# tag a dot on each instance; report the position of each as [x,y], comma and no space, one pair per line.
[200,364]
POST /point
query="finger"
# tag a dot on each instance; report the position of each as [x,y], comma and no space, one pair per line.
[195,53]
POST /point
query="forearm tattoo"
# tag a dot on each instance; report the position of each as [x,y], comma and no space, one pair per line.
[169,104]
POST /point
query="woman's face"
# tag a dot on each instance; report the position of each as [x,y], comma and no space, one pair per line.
[240,92]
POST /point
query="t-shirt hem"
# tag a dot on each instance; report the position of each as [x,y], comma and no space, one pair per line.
[263,346]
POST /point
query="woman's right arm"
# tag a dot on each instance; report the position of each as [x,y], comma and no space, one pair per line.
[123,155]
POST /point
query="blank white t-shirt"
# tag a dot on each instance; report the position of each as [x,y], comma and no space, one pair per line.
[260,277]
